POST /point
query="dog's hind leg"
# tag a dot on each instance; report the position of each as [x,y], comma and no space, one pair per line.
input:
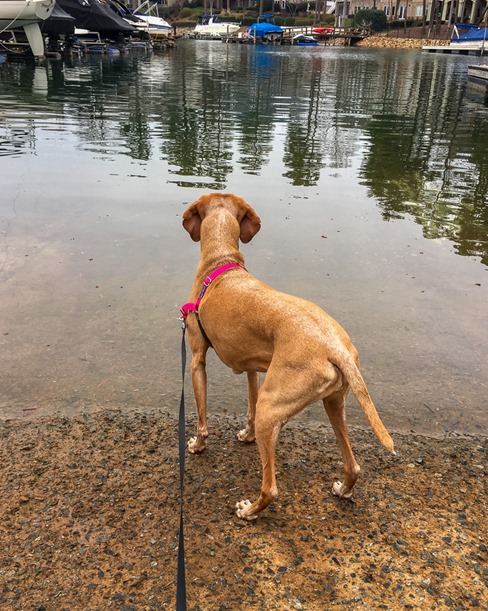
[248,434]
[335,408]
[280,397]
[267,431]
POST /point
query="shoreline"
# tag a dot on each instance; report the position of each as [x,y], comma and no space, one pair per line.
[90,513]
[310,419]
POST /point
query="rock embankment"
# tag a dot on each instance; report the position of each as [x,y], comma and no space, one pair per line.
[390,42]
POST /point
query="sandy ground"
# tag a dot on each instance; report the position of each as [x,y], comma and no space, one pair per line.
[90,511]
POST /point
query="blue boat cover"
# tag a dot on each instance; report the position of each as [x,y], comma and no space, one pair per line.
[261,29]
[473,33]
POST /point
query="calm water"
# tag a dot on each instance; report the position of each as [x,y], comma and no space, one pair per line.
[369,169]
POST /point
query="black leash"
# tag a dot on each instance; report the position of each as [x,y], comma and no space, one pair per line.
[180,576]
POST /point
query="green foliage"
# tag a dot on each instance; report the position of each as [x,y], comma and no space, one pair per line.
[230,18]
[286,21]
[248,20]
[185,13]
[303,21]
[164,12]
[300,8]
[370,18]
[402,23]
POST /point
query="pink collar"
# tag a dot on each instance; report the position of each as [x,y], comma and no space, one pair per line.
[193,307]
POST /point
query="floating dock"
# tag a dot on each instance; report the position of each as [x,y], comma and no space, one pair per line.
[459,48]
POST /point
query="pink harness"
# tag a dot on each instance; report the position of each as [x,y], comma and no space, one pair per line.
[193,307]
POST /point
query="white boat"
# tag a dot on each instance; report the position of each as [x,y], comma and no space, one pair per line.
[26,14]
[155,24]
[209,26]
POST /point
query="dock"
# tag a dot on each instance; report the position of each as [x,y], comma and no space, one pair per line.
[459,48]
[334,36]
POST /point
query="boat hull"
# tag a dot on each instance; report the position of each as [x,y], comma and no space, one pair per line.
[220,31]
[213,28]
[154,25]
[19,13]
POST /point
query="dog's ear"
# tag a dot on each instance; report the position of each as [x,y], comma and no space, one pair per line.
[250,225]
[192,221]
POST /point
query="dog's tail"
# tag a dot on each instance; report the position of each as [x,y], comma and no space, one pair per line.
[353,376]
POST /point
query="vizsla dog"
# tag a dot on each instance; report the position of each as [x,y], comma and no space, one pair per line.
[305,353]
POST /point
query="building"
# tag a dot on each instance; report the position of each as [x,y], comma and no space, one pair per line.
[449,11]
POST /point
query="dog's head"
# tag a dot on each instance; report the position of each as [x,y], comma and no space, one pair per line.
[249,221]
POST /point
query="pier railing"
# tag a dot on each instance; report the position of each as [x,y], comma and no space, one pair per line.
[329,35]
[326,35]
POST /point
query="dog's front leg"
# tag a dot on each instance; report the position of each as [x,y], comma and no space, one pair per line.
[248,434]
[199,379]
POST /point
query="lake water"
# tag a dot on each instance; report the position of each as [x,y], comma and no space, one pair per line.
[369,169]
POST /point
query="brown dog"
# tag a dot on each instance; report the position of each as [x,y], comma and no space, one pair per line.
[305,353]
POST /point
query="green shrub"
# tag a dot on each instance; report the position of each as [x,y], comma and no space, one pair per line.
[230,18]
[248,20]
[370,18]
[185,13]
[402,23]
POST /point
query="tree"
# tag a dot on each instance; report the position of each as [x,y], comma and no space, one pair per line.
[369,18]
[292,5]
[397,7]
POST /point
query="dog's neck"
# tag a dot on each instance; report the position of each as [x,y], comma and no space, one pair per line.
[219,242]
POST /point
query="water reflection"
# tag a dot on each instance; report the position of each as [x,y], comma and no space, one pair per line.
[211,108]
[98,155]
[428,160]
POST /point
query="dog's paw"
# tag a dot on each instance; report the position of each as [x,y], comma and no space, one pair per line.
[195,446]
[246,436]
[242,510]
[339,489]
